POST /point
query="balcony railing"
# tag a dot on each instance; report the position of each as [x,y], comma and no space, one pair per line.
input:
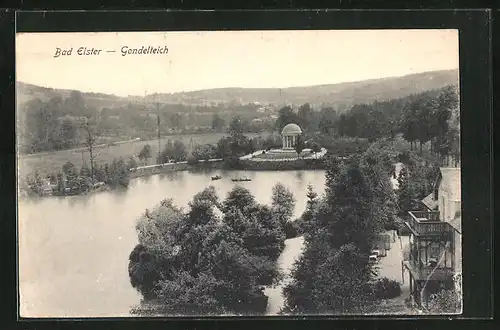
[422,273]
[427,223]
[425,215]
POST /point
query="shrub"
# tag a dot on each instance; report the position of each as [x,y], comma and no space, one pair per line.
[385,288]
[315,147]
[445,301]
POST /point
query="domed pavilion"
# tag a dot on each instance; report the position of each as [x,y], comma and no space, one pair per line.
[289,135]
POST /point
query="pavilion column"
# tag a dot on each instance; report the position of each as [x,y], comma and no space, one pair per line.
[283,139]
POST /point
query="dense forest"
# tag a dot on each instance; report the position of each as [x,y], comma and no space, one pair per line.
[431,117]
[214,258]
[58,123]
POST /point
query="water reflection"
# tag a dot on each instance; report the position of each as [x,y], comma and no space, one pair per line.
[300,176]
[73,251]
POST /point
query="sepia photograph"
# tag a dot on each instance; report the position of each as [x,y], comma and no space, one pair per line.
[238,173]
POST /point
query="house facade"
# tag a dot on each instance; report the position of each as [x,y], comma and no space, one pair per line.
[435,258]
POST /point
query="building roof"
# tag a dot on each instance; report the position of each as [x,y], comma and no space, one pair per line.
[451,182]
[291,129]
[430,202]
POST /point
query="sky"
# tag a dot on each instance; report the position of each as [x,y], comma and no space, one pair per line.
[217,59]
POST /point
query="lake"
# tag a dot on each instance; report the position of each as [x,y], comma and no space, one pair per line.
[73,251]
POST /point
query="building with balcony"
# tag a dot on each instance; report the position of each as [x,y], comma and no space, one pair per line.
[435,258]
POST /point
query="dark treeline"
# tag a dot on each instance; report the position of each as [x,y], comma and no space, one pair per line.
[426,117]
[420,118]
[431,116]
[213,258]
[229,148]
[70,180]
[55,124]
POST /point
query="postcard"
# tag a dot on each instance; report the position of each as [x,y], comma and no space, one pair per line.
[208,173]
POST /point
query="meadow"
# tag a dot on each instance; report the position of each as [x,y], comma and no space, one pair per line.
[51,162]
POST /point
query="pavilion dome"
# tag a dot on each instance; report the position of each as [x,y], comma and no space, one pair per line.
[291,129]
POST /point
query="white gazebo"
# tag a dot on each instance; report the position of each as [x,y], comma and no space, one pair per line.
[289,135]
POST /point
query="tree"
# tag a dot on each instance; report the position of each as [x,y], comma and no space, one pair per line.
[378,125]
[75,104]
[118,174]
[350,212]
[85,171]
[447,106]
[60,185]
[224,149]
[240,199]
[298,293]
[237,127]
[68,168]
[306,116]
[191,263]
[177,121]
[342,282]
[425,121]
[409,124]
[261,235]
[131,163]
[71,174]
[35,182]
[283,203]
[286,116]
[309,215]
[328,118]
[218,123]
[333,275]
[453,136]
[355,122]
[299,145]
[90,142]
[204,152]
[67,134]
[406,192]
[42,124]
[180,152]
[145,153]
[315,147]
[176,151]
[272,141]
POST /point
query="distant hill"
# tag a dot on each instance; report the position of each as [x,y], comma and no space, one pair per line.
[343,93]
[27,92]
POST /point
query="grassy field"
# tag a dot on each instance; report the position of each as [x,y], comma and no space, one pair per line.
[49,162]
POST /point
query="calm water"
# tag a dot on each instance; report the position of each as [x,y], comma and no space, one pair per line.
[73,251]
